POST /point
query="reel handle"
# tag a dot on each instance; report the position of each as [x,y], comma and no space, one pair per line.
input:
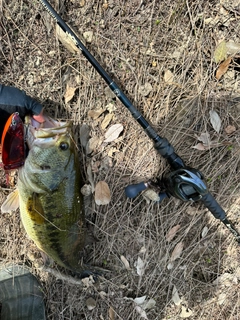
[134,189]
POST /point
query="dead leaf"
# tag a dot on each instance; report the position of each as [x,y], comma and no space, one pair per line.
[94,114]
[106,120]
[175,296]
[139,300]
[125,262]
[230,129]
[186,312]
[111,313]
[205,138]
[220,52]
[172,232]
[204,232]
[139,264]
[222,69]
[168,77]
[88,36]
[66,40]
[232,47]
[141,312]
[84,134]
[92,145]
[69,94]
[177,251]
[200,146]
[145,89]
[215,120]
[113,132]
[226,279]
[102,193]
[149,304]
[91,303]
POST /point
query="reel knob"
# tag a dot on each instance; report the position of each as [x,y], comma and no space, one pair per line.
[134,189]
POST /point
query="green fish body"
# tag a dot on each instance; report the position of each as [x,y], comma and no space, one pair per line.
[51,205]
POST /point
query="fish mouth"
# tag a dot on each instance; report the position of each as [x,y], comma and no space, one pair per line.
[46,133]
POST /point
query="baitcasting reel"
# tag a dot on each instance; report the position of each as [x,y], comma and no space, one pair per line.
[186,184]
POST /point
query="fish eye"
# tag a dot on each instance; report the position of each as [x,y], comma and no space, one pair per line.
[63,146]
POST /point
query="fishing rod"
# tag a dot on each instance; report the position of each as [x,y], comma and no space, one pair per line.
[183,182]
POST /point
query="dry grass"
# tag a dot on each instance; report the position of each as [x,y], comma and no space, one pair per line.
[136,42]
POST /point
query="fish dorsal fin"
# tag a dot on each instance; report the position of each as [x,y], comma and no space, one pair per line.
[11,203]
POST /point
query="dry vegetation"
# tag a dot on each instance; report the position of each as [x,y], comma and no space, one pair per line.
[136,42]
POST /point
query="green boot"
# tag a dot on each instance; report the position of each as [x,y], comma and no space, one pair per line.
[21,297]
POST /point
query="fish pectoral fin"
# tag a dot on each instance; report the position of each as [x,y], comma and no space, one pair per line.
[11,203]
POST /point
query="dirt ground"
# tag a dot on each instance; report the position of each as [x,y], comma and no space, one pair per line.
[163,56]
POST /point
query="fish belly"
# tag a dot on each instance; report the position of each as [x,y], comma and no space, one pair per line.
[55,222]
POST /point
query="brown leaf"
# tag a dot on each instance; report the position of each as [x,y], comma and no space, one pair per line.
[111,313]
[200,146]
[94,114]
[177,251]
[168,77]
[223,67]
[172,232]
[106,121]
[92,145]
[102,193]
[230,129]
[69,94]
[113,132]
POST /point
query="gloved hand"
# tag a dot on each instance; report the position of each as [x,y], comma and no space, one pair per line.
[15,100]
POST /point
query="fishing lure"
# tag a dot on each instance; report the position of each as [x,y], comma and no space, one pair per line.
[13,151]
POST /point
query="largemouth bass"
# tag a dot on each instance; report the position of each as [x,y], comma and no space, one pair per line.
[48,191]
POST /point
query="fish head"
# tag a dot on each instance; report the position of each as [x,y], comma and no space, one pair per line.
[51,157]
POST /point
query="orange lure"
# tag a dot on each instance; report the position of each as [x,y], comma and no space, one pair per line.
[13,153]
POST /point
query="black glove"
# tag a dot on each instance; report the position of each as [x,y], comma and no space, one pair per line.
[15,100]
